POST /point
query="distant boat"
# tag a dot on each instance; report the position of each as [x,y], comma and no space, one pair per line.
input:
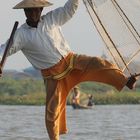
[79,106]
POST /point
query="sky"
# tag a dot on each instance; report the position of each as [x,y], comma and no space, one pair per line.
[79,32]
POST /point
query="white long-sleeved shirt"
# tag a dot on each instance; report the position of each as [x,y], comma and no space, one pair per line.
[45,45]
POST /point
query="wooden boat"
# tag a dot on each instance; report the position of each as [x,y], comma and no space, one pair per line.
[79,106]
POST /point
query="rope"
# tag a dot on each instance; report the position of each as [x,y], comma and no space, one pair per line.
[91,5]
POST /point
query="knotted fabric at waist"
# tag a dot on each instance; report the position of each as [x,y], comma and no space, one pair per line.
[61,69]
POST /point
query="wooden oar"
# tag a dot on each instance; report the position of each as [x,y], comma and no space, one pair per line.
[10,41]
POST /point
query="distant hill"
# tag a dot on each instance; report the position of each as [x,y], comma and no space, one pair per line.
[26,73]
[33,72]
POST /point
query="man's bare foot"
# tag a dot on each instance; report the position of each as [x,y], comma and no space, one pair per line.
[131,82]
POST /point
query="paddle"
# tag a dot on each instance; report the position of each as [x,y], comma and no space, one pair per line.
[10,41]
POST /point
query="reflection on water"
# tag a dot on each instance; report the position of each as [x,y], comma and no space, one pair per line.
[100,123]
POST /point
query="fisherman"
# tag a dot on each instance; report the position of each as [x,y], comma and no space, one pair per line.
[76,97]
[42,42]
[90,100]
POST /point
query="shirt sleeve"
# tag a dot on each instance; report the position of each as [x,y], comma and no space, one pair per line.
[16,45]
[61,15]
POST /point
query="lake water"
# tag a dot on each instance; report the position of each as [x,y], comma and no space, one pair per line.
[117,122]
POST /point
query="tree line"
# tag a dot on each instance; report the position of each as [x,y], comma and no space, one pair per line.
[9,86]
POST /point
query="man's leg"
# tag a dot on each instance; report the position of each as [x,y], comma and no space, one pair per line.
[100,70]
[52,109]
[55,117]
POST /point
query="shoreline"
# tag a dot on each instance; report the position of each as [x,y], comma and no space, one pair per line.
[38,99]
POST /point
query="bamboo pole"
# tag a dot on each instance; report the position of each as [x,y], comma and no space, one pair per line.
[10,41]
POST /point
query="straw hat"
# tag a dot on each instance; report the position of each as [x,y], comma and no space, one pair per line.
[32,4]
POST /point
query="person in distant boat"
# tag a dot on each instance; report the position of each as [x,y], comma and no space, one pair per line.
[41,40]
[76,100]
[75,97]
[90,100]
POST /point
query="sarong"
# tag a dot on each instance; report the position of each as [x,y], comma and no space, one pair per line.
[83,68]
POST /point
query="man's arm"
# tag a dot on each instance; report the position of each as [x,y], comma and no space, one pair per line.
[61,15]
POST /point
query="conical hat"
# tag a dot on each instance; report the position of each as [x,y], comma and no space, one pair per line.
[32,4]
